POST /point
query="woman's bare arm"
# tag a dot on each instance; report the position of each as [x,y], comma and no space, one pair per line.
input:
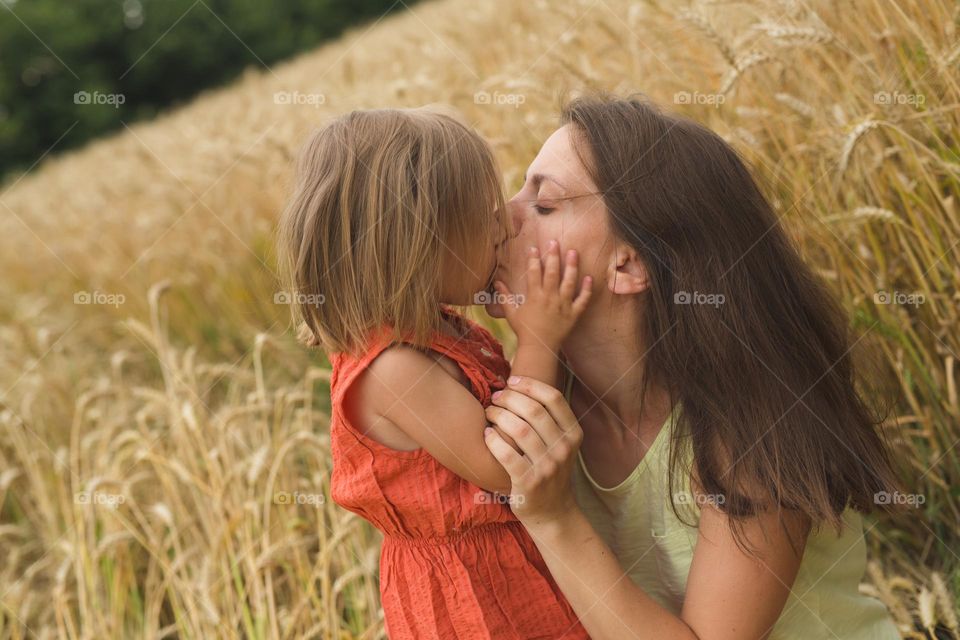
[730,595]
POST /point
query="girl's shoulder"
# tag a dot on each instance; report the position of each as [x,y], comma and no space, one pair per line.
[471,333]
[387,370]
[347,364]
[470,355]
[366,381]
[475,348]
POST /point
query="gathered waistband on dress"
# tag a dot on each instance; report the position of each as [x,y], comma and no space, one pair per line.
[472,532]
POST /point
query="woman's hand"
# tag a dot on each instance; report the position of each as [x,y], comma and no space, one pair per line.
[729,594]
[542,424]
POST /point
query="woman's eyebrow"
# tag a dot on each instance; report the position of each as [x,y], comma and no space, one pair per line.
[538,178]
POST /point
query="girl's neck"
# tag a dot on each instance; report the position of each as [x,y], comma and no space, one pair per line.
[450,322]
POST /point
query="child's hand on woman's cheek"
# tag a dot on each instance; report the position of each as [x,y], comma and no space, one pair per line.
[552,303]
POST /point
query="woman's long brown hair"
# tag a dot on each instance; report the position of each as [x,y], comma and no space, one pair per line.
[764,374]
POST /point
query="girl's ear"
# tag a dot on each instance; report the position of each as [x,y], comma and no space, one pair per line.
[627,274]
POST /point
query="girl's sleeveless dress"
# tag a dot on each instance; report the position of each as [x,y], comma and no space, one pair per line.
[455,562]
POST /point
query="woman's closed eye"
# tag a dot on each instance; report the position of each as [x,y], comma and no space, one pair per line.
[542,210]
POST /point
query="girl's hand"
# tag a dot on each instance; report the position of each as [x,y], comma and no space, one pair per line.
[542,424]
[551,305]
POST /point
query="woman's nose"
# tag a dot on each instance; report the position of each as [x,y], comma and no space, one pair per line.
[515,211]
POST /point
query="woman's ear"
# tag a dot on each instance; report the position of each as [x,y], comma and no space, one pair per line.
[627,274]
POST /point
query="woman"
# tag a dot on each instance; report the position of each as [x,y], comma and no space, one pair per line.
[726,456]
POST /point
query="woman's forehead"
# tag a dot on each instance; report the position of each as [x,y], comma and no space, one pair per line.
[558,163]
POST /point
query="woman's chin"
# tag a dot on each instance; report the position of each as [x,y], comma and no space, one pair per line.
[494,309]
[490,300]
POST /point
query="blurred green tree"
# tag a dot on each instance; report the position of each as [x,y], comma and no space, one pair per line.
[71,71]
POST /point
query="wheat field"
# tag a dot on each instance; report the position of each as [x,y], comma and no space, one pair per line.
[164,460]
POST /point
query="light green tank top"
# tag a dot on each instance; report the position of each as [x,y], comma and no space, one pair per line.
[655,549]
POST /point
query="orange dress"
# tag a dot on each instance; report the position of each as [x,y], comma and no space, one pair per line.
[455,563]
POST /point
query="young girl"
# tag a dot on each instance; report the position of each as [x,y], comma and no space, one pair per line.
[396,215]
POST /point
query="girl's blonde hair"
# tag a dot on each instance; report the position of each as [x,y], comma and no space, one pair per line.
[381,197]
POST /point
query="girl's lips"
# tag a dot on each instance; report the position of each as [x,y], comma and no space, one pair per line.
[491,302]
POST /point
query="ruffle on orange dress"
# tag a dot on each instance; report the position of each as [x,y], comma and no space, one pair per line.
[455,564]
